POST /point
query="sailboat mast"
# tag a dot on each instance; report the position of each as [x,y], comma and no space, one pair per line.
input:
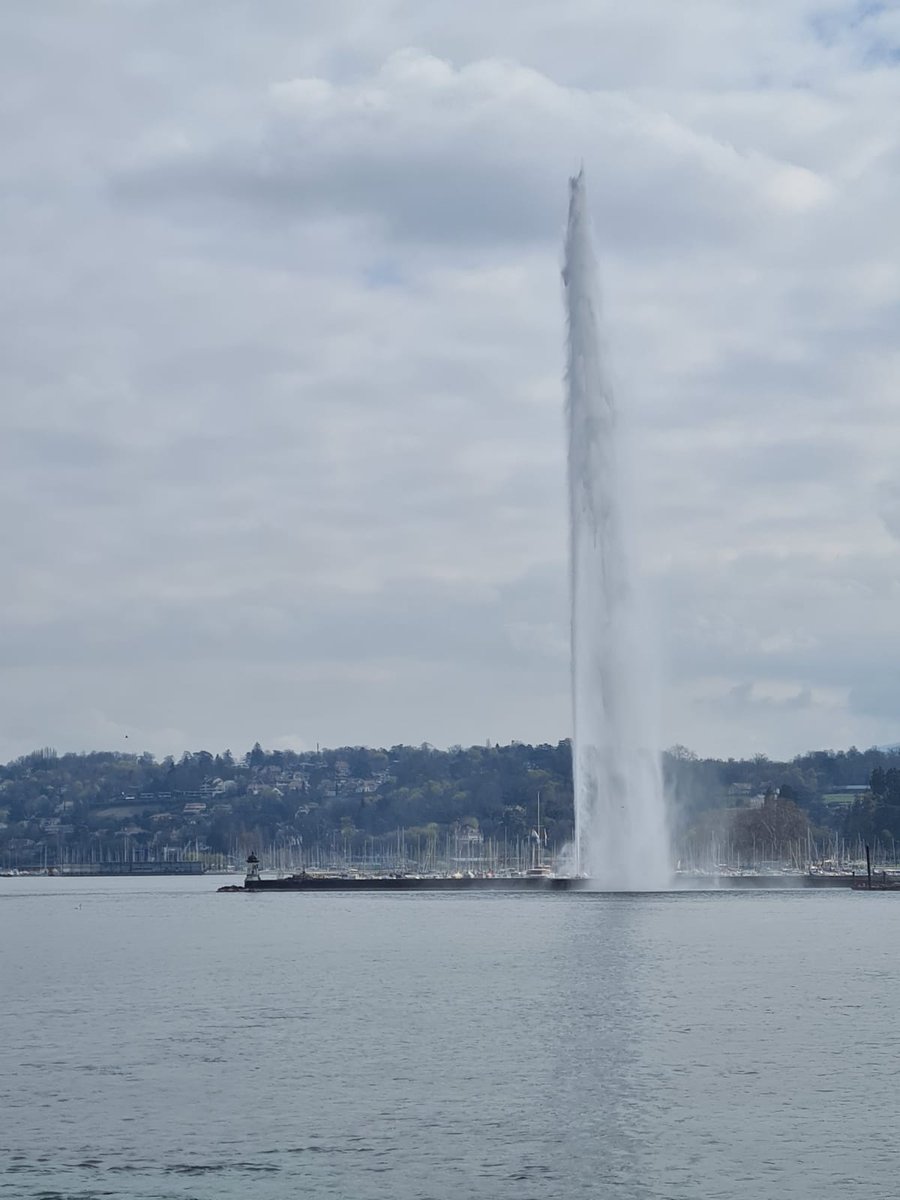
[540,850]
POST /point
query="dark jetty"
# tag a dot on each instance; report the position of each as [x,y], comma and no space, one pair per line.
[304,882]
[413,883]
[538,880]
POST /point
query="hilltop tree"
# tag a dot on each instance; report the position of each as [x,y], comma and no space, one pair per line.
[768,831]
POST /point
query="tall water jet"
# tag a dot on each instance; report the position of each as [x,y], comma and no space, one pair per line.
[621,838]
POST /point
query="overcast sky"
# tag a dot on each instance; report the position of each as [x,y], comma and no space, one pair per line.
[282,352]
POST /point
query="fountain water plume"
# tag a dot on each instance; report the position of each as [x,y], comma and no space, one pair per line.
[621,837]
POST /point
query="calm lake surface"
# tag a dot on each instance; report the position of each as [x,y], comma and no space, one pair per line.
[160,1041]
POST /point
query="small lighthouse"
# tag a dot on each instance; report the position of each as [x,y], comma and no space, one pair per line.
[252,875]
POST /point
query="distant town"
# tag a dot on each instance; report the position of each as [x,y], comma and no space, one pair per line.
[420,805]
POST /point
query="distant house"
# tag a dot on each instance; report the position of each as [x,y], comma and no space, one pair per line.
[473,836]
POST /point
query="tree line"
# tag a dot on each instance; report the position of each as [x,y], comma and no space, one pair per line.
[56,807]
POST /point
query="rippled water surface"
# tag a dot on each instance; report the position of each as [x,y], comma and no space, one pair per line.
[160,1041]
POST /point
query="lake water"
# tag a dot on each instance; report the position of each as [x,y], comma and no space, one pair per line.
[162,1041]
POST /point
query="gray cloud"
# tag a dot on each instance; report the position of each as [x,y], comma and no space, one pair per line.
[281,351]
[471,157]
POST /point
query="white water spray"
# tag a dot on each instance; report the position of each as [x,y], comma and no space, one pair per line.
[621,838]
